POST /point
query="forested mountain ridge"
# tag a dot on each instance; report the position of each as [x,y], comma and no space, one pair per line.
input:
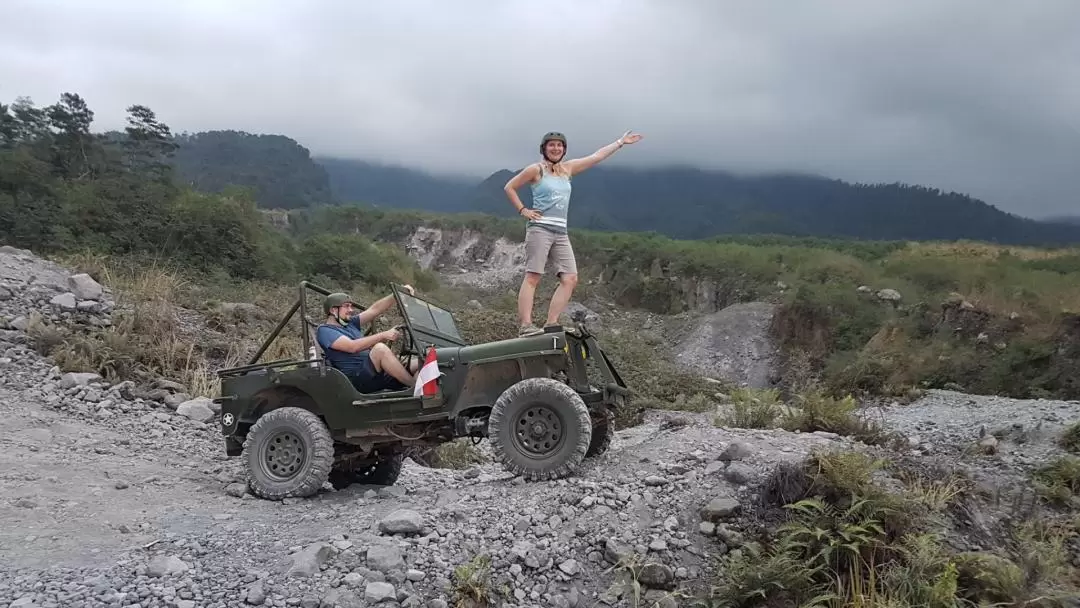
[675,201]
[358,181]
[694,203]
[278,169]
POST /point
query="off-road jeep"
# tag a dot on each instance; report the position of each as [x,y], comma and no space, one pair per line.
[300,422]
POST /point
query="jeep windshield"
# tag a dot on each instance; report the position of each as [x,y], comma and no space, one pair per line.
[429,322]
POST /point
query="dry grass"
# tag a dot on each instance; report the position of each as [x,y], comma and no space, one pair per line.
[472,586]
[811,411]
[156,330]
[752,409]
[936,494]
[1070,438]
[987,251]
[1058,482]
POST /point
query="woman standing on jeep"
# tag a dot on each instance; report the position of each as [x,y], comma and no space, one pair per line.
[546,233]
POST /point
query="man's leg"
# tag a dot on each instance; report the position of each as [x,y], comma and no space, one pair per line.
[384,361]
[566,267]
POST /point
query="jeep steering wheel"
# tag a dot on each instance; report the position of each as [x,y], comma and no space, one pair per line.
[402,348]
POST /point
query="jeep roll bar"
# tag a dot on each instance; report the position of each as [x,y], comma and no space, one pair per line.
[301,305]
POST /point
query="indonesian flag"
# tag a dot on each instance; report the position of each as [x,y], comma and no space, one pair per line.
[426,384]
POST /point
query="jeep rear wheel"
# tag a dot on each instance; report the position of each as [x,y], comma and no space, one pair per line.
[539,428]
[289,453]
[602,433]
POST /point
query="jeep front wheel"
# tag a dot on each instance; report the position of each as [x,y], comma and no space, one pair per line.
[539,428]
[289,452]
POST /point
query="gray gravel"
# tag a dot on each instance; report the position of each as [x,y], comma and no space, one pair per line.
[997,439]
[732,344]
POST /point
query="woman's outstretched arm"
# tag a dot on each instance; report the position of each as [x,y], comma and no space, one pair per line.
[578,165]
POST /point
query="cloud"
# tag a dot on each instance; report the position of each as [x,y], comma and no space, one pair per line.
[963,95]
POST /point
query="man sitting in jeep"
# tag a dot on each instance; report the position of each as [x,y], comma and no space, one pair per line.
[366,360]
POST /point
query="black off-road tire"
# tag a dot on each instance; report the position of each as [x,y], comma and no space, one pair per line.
[384,472]
[602,433]
[539,428]
[289,453]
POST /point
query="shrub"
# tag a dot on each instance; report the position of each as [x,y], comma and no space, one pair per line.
[752,409]
[845,541]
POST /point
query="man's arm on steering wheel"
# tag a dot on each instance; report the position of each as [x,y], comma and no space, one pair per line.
[378,307]
[355,345]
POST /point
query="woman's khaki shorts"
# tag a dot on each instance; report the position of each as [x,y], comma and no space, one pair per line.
[542,246]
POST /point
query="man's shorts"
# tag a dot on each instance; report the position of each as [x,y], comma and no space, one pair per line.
[367,379]
[543,246]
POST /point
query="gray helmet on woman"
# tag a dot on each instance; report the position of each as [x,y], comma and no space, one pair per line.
[552,136]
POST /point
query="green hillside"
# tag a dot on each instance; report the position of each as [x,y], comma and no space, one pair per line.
[983,317]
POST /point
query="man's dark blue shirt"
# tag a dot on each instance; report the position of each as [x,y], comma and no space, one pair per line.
[349,363]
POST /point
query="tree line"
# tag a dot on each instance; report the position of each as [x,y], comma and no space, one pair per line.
[65,188]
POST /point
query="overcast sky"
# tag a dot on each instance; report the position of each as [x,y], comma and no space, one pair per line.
[977,96]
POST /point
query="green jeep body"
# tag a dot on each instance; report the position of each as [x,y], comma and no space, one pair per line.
[544,403]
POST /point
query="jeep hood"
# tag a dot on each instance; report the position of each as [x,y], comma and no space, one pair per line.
[532,345]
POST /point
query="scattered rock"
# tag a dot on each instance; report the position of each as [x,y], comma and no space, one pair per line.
[384,558]
[656,576]
[735,450]
[719,508]
[889,295]
[402,521]
[73,379]
[65,301]
[256,594]
[379,592]
[196,409]
[166,565]
[306,563]
[739,474]
[84,287]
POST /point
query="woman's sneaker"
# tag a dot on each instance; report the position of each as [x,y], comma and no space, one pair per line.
[529,330]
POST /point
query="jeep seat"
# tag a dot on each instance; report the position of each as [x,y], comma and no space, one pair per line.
[320,355]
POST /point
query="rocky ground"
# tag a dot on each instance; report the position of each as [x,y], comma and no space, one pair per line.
[111,496]
[1000,441]
[467,257]
[732,344]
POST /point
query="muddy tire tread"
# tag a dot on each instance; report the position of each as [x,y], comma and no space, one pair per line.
[602,435]
[573,408]
[387,471]
[321,450]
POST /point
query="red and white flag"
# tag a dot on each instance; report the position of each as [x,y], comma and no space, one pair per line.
[426,379]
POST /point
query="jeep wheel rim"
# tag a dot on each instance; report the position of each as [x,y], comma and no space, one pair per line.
[283,455]
[538,431]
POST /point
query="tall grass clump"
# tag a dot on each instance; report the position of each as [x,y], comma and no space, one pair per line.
[845,541]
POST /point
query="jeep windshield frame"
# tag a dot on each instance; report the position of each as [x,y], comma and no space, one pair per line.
[428,323]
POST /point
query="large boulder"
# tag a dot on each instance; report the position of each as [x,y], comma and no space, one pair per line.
[85,287]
